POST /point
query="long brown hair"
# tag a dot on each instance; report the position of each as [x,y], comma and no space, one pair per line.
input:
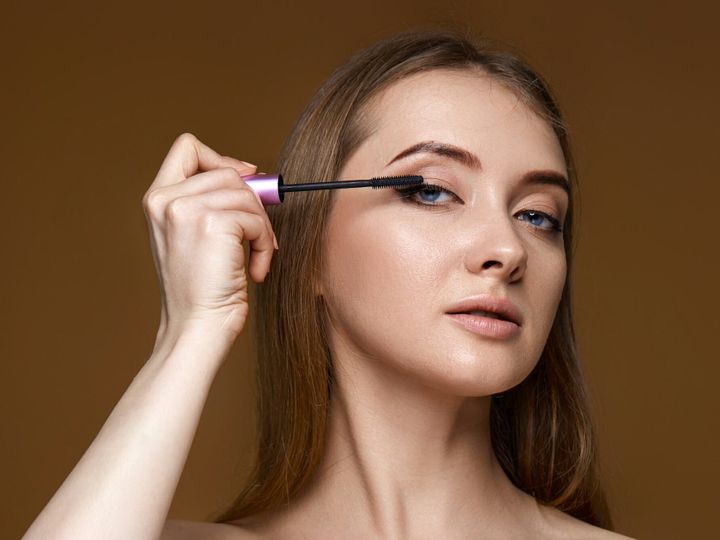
[542,430]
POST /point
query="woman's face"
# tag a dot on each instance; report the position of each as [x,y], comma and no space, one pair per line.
[394,266]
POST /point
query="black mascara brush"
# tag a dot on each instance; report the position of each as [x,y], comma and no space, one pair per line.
[271,189]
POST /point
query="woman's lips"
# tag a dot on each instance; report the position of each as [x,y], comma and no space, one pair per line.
[487,302]
[486,326]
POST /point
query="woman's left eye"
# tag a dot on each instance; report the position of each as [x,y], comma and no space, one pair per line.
[536,216]
[428,194]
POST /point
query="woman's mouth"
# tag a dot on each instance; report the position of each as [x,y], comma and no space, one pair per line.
[486,324]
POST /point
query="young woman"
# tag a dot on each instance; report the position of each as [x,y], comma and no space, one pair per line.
[417,374]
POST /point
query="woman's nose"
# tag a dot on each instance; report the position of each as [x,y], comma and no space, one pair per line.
[496,248]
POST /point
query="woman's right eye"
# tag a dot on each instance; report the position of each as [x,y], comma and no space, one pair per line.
[425,194]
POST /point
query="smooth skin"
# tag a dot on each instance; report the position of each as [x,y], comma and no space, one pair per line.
[409,452]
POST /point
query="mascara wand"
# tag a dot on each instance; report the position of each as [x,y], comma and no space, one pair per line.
[271,189]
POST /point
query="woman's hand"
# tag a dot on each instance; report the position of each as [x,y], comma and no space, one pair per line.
[199,211]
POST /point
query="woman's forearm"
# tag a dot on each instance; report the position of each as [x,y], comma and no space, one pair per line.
[123,485]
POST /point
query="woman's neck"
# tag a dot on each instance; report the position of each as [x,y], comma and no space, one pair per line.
[405,460]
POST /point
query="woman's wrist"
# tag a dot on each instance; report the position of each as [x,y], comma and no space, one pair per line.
[200,343]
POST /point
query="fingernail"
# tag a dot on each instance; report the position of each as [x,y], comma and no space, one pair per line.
[248,164]
[275,242]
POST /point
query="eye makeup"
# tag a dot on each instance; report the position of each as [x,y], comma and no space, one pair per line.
[410,195]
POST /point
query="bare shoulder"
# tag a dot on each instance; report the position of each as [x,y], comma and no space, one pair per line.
[180,529]
[565,526]
[596,533]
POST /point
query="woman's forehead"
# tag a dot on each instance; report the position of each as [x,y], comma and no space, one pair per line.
[464,108]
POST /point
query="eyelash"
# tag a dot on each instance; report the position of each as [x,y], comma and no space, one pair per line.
[408,192]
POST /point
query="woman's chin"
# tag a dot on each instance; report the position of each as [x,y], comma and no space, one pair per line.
[473,378]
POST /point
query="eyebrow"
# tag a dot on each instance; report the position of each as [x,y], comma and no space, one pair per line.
[548,178]
[441,149]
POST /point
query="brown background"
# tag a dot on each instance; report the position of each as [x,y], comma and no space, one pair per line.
[93,96]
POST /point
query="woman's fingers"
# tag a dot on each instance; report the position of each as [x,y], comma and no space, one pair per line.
[188,155]
[248,227]
[222,189]
[204,182]
[233,199]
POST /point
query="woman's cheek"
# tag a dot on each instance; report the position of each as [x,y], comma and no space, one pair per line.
[547,284]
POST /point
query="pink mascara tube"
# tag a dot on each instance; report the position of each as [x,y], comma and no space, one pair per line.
[271,189]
